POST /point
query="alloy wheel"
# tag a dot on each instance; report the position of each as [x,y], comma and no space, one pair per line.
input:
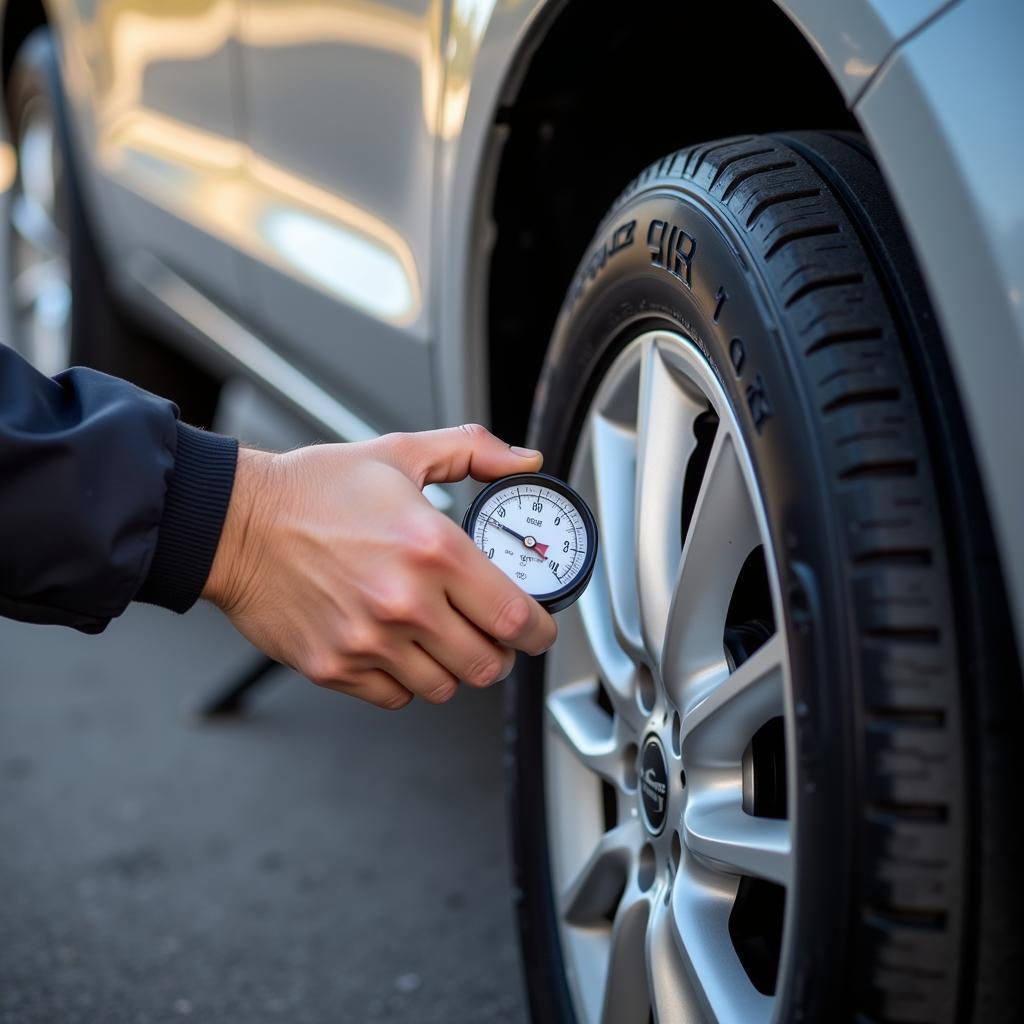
[669,742]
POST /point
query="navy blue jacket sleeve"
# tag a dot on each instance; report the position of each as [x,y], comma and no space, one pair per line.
[105,497]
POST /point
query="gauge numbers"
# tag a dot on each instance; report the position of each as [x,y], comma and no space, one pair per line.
[538,532]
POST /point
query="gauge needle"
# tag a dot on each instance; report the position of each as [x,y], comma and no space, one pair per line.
[531,542]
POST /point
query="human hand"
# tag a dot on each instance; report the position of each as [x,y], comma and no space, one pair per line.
[332,562]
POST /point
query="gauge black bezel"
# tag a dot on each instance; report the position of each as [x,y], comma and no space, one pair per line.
[556,600]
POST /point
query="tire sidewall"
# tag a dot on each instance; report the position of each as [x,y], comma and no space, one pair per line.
[29,83]
[623,289]
[95,332]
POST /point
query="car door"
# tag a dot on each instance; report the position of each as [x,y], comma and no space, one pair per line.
[151,85]
[340,99]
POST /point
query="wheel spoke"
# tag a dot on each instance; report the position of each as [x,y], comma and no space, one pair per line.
[723,711]
[611,632]
[701,903]
[592,893]
[587,648]
[625,999]
[615,666]
[723,532]
[613,450]
[666,441]
[671,995]
[722,835]
[588,729]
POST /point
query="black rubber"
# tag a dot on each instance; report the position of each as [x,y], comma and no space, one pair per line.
[101,334]
[907,687]
[35,78]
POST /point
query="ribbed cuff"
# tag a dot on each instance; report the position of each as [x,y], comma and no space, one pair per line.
[194,510]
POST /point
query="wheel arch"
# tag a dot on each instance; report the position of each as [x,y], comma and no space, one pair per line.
[572,141]
[821,58]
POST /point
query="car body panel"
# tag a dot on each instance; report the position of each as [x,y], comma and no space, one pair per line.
[340,226]
[853,39]
[204,151]
[152,88]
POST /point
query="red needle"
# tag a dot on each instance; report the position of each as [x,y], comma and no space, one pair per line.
[541,549]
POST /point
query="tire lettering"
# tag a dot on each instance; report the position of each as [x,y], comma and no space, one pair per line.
[672,249]
[621,238]
[757,402]
[737,356]
[757,397]
[721,297]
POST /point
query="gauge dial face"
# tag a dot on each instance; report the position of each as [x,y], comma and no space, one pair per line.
[538,532]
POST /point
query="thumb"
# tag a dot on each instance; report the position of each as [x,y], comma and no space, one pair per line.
[453,453]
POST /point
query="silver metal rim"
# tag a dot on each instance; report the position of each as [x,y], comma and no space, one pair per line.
[39,290]
[644,918]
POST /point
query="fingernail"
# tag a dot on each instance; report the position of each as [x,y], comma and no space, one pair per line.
[526,453]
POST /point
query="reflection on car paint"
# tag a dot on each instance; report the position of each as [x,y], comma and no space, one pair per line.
[351,266]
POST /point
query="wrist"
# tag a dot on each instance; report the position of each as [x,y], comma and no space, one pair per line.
[244,532]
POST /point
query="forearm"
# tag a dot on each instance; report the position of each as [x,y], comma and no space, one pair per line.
[101,485]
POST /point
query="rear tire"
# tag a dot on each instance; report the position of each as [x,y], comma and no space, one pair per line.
[61,309]
[780,262]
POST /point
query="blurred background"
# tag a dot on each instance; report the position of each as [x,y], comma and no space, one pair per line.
[317,860]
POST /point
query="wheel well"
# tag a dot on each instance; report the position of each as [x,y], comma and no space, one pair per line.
[20,18]
[603,96]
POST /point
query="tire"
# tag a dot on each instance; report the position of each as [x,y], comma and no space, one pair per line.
[75,320]
[770,276]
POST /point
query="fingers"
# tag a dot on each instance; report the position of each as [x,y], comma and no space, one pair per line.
[411,672]
[453,453]
[419,672]
[465,651]
[489,599]
[375,687]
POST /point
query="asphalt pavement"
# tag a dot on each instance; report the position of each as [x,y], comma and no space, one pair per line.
[315,861]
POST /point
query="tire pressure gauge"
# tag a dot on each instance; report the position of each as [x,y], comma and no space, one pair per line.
[539,532]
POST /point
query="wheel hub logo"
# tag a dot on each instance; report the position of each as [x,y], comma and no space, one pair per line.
[654,785]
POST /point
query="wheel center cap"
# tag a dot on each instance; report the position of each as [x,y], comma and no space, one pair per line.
[654,785]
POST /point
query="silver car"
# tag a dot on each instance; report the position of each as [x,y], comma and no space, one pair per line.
[750,274]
